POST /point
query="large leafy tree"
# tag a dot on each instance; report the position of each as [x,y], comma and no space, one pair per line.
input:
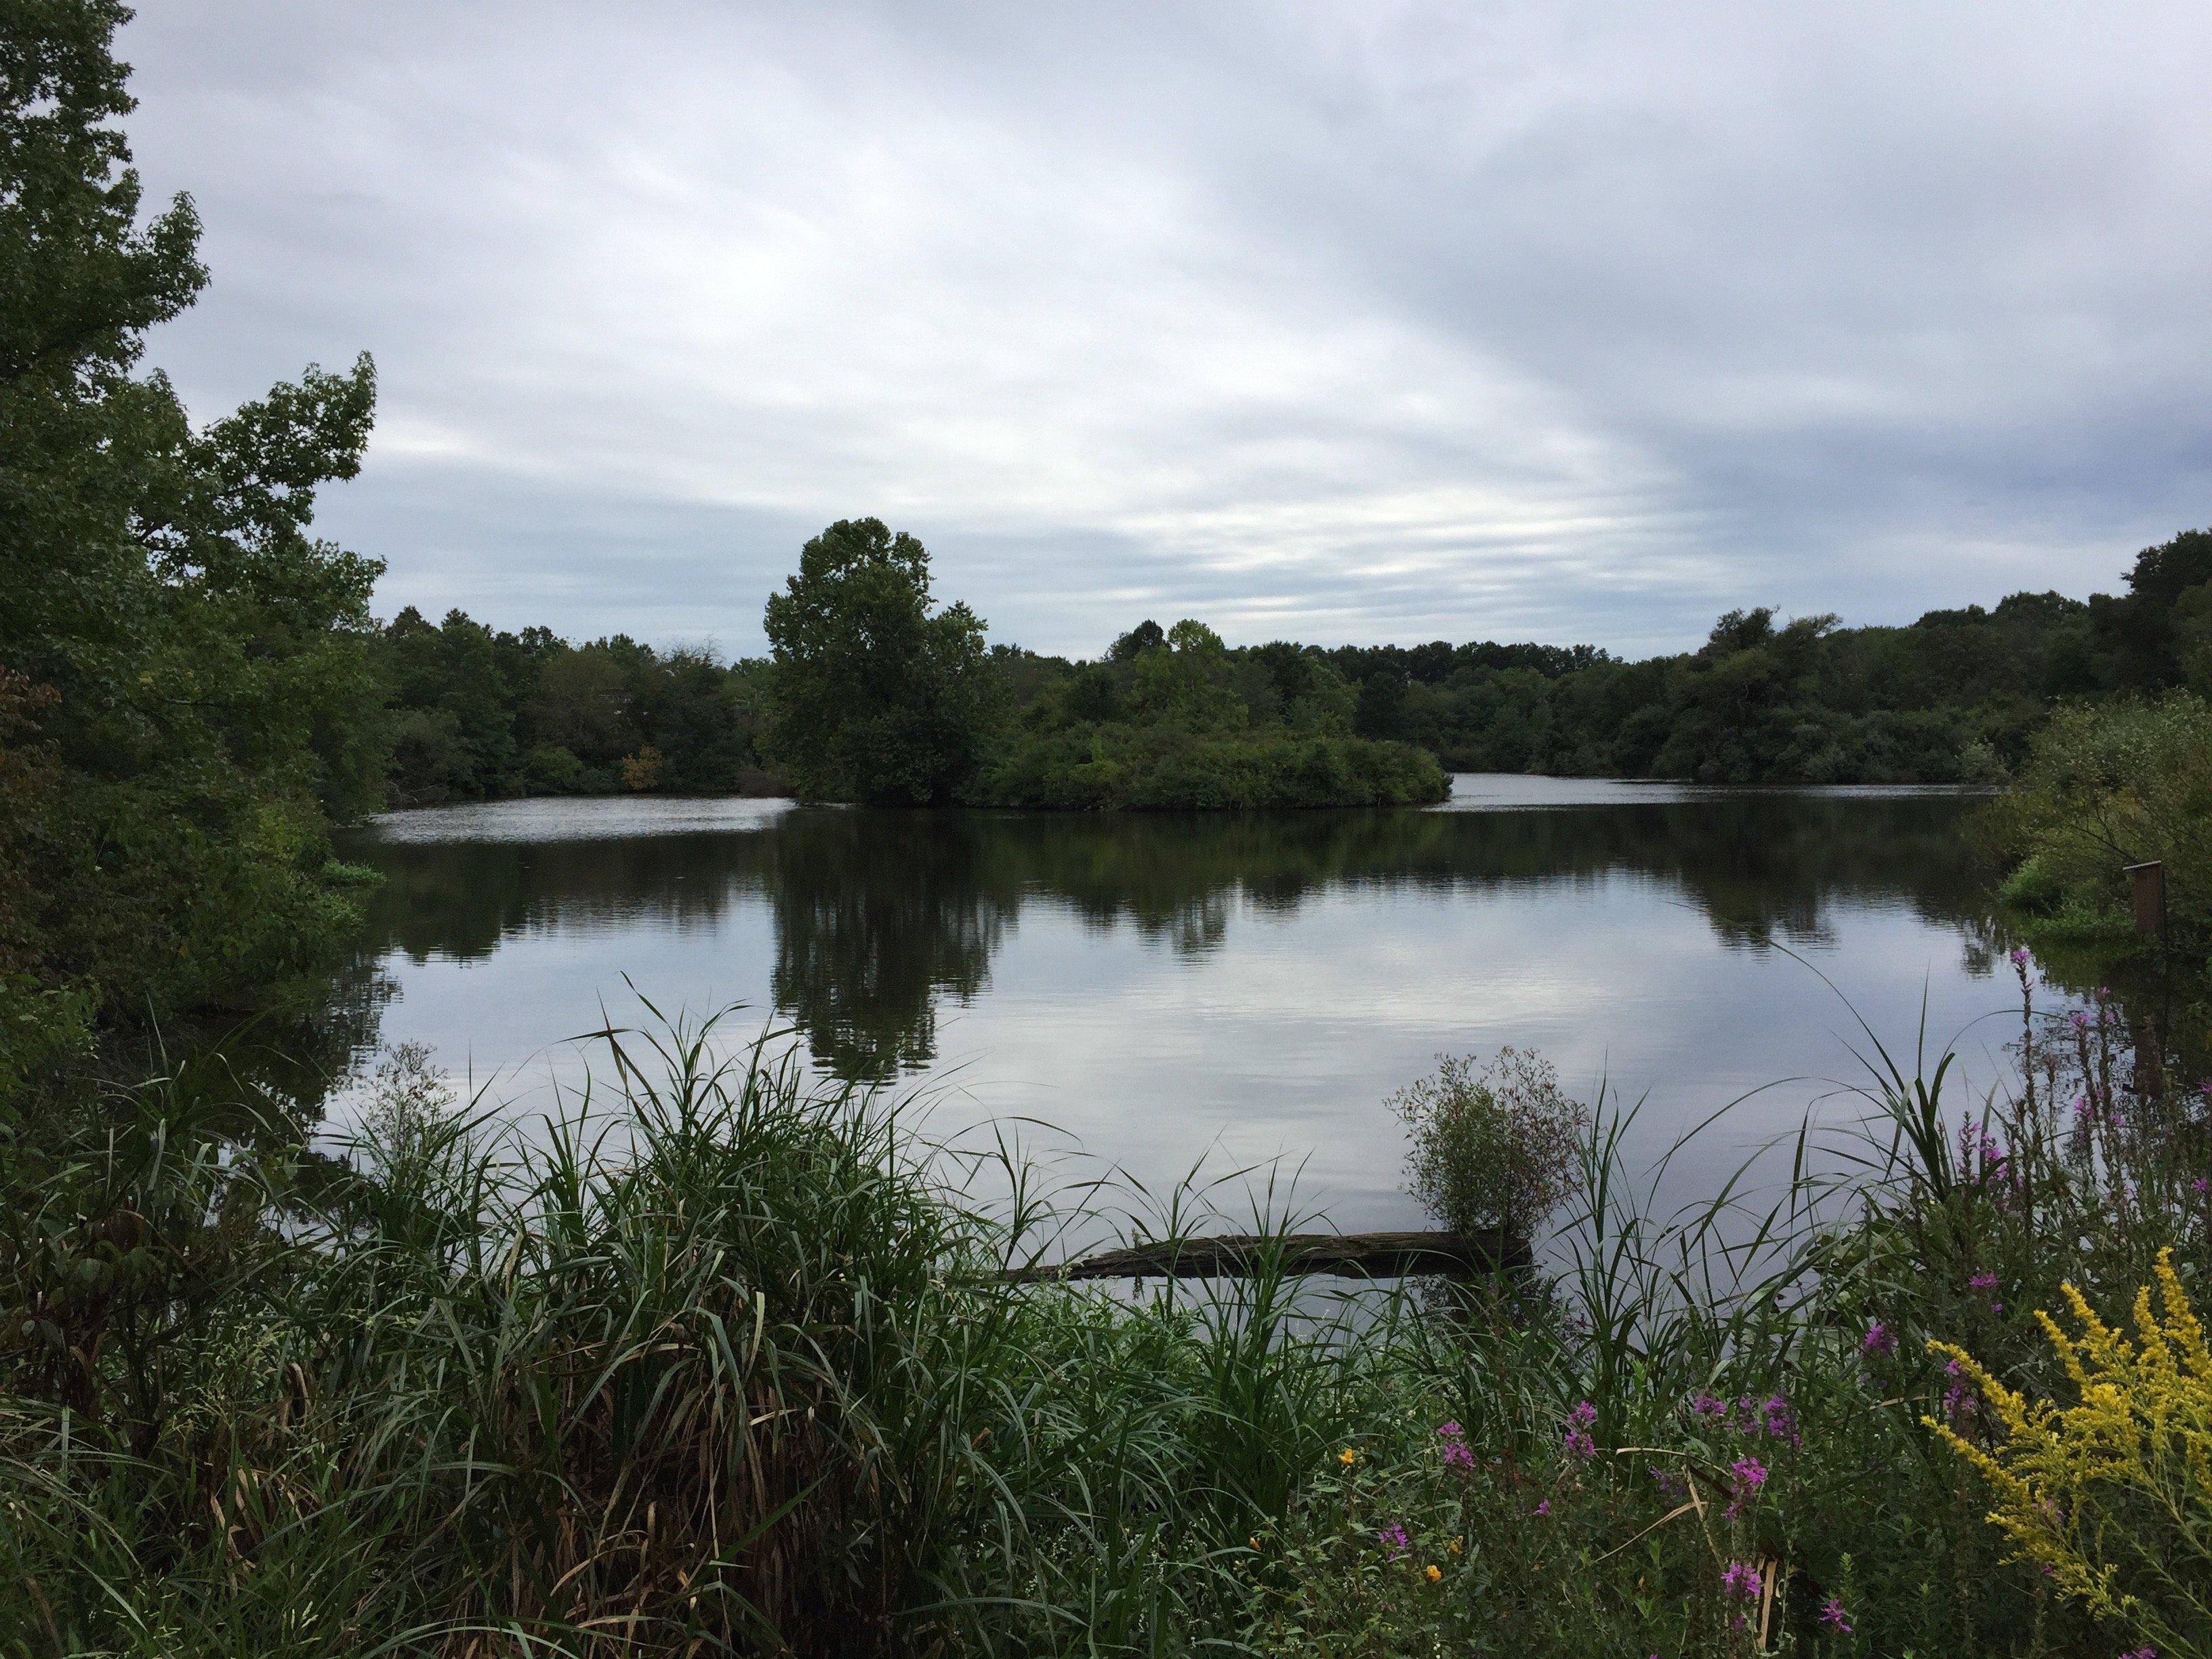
[186,695]
[875,694]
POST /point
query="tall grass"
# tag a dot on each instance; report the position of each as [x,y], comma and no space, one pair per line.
[714,1360]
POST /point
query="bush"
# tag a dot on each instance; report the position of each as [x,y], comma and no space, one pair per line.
[2107,787]
[550,769]
[1494,1147]
[1166,770]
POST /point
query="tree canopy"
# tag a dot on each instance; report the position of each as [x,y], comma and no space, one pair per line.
[876,694]
[184,693]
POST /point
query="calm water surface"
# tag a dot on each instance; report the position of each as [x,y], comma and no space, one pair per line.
[1165,990]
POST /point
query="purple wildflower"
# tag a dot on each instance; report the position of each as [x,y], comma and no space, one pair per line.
[1544,1507]
[1983,1282]
[1880,1338]
[1458,1454]
[1579,1443]
[1750,1475]
[1833,1616]
[1451,1431]
[1781,1422]
[1393,1538]
[1741,1580]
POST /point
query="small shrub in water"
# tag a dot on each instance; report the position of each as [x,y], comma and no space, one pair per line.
[1494,1145]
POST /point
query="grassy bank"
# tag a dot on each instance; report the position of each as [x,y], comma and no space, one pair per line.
[721,1363]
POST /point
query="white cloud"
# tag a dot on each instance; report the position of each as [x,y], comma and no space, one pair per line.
[1350,322]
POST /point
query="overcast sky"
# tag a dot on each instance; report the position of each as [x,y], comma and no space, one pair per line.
[1354,322]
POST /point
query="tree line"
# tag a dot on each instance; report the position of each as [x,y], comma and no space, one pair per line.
[1956,696]
[874,691]
[473,714]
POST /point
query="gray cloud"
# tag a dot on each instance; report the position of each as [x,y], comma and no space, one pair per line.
[1344,322]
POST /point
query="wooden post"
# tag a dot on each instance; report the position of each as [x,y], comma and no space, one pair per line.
[2150,898]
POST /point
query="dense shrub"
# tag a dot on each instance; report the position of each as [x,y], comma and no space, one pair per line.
[2109,785]
[1160,770]
[1493,1146]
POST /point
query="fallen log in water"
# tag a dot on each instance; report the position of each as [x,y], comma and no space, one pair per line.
[1357,1255]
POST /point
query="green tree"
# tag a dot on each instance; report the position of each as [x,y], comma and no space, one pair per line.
[875,695]
[583,705]
[1146,635]
[1184,683]
[457,688]
[190,695]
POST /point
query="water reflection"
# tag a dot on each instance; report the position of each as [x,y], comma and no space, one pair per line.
[879,920]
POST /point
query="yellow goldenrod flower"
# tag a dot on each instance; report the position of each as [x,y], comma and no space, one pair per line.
[2124,1475]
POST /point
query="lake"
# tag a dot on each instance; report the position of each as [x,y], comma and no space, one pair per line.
[1170,991]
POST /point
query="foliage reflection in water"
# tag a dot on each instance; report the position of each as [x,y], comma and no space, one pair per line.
[1160,986]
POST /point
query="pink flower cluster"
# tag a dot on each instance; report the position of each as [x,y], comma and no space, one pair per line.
[1458,1454]
[1977,1144]
[1957,1402]
[1772,1417]
[1750,1475]
[1579,1442]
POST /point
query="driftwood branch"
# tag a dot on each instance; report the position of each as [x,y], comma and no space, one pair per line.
[1358,1255]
